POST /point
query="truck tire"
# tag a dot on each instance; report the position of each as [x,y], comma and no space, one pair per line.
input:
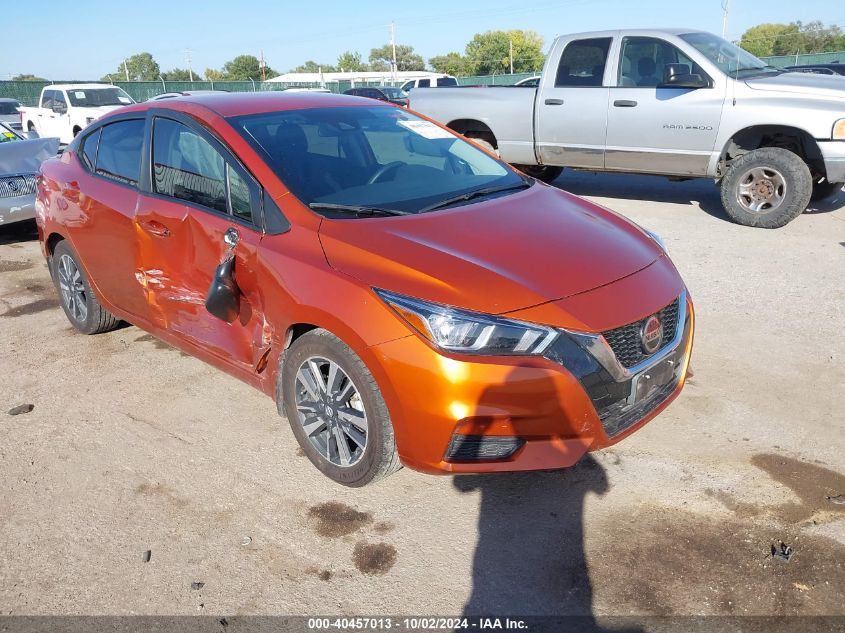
[30,126]
[823,190]
[767,187]
[546,173]
[336,411]
[78,301]
[485,143]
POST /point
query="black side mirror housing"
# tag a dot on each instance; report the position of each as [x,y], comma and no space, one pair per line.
[679,76]
[224,297]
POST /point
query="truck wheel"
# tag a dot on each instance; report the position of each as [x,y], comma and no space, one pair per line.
[76,130]
[78,301]
[485,143]
[767,188]
[825,189]
[546,173]
[336,411]
[30,126]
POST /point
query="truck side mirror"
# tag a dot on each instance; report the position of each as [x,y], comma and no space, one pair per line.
[679,76]
[59,108]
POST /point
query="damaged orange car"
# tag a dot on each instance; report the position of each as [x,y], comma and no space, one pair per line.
[405,296]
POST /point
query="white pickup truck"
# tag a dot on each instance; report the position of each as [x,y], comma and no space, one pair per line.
[66,109]
[680,103]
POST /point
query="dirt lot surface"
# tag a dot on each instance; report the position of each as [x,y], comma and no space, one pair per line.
[133,447]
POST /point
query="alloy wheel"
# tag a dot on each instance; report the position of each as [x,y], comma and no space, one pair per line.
[72,288]
[331,411]
[761,189]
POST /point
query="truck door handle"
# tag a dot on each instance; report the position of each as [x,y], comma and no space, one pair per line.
[554,102]
[155,228]
[625,103]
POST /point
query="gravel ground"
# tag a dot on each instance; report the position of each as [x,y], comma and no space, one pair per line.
[134,450]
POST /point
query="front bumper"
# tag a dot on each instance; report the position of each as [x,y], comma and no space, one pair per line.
[833,153]
[16,209]
[549,414]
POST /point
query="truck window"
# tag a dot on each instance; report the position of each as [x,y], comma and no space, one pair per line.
[447,81]
[644,59]
[119,152]
[424,83]
[583,63]
[59,103]
[47,99]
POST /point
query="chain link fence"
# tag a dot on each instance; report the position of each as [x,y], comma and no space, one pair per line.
[780,61]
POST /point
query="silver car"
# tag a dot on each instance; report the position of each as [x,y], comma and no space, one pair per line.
[9,113]
[20,160]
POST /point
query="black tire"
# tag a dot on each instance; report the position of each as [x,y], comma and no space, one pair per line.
[76,131]
[824,189]
[546,173]
[485,142]
[94,318]
[778,166]
[30,126]
[379,457]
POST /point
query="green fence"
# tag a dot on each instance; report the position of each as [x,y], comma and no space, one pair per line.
[780,61]
[28,92]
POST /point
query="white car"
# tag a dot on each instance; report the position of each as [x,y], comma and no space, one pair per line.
[64,110]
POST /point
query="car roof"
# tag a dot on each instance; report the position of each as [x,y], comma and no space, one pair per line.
[90,86]
[228,104]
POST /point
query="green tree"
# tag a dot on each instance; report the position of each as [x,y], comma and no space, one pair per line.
[451,64]
[813,37]
[489,52]
[351,62]
[313,67]
[139,67]
[178,74]
[212,74]
[760,40]
[244,67]
[26,77]
[381,58]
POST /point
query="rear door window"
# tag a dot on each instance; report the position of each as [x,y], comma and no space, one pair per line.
[583,63]
[119,151]
[424,83]
[47,99]
[447,81]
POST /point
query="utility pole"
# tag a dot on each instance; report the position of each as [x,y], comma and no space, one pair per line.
[263,66]
[125,69]
[510,54]
[188,60]
[726,9]
[393,45]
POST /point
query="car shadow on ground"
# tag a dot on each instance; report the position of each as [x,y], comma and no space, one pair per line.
[702,192]
[17,232]
[529,558]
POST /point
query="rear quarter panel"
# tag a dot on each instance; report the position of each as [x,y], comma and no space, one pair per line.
[507,110]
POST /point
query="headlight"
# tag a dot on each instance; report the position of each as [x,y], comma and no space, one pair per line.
[461,331]
[839,130]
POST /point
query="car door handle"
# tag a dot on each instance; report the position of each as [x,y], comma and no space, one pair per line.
[553,102]
[625,103]
[156,228]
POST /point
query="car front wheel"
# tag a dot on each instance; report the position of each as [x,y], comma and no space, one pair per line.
[767,187]
[336,411]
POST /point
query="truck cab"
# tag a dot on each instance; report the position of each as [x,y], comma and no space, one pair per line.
[64,110]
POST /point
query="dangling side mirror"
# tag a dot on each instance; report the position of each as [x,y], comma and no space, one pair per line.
[224,297]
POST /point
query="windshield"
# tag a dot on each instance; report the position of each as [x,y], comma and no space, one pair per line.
[731,59]
[9,107]
[7,135]
[94,97]
[394,93]
[370,157]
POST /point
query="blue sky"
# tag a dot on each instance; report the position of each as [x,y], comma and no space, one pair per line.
[88,38]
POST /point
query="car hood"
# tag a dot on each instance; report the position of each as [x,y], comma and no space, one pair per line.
[493,256]
[25,157]
[805,83]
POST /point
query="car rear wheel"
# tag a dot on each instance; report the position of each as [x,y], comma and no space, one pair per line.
[78,301]
[767,187]
[824,189]
[336,411]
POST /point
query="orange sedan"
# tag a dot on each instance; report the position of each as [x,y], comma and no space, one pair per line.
[405,297]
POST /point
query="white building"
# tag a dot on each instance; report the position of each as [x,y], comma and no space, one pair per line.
[385,78]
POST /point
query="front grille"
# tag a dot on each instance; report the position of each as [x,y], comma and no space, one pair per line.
[14,186]
[626,343]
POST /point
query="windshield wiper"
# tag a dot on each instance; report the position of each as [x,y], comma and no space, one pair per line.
[356,209]
[486,191]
